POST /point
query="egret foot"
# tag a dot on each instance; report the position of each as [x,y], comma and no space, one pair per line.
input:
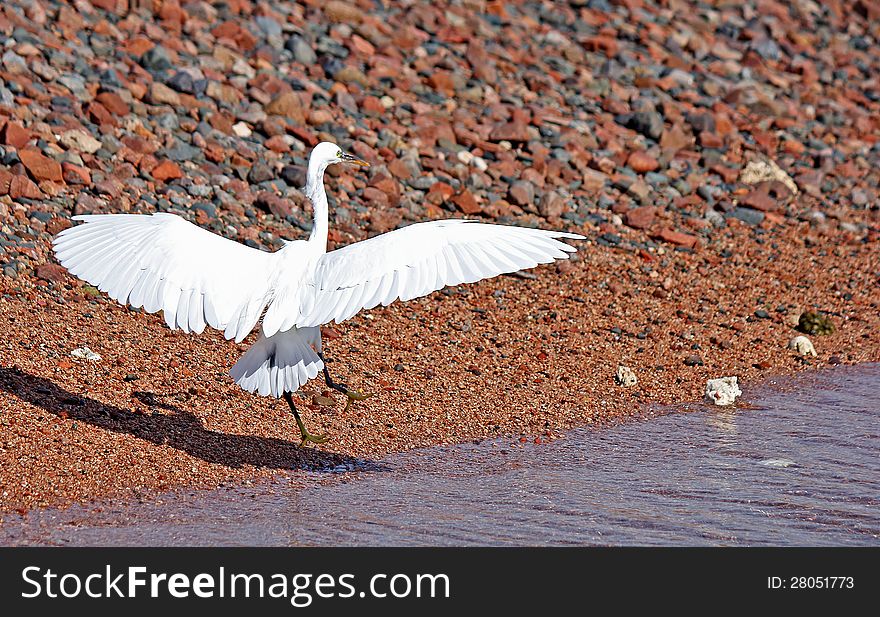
[306,435]
[353,395]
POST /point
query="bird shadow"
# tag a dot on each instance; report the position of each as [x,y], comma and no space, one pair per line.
[178,429]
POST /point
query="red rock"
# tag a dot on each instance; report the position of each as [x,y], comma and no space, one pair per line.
[318,117]
[50,272]
[466,203]
[140,145]
[330,333]
[376,197]
[13,134]
[869,9]
[675,139]
[280,207]
[522,193]
[552,205]
[364,151]
[215,153]
[564,266]
[372,106]
[759,199]
[442,82]
[100,114]
[138,46]
[641,217]
[41,167]
[114,103]
[57,224]
[677,237]
[728,174]
[516,130]
[74,174]
[594,181]
[439,193]
[167,170]
[481,62]
[232,31]
[170,11]
[387,185]
[5,179]
[605,44]
[361,46]
[723,125]
[343,12]
[399,169]
[222,122]
[811,182]
[112,6]
[384,219]
[642,162]
[277,144]
[147,163]
[710,140]
[534,176]
[289,105]
[22,186]
[110,187]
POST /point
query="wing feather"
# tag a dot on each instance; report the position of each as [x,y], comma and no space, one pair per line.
[413,261]
[162,262]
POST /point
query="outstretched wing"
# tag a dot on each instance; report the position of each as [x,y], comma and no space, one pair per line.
[414,261]
[163,262]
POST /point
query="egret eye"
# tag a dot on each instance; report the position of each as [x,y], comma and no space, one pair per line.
[339,154]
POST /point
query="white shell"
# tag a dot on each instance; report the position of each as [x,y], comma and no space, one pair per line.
[722,391]
[86,354]
[625,377]
[802,345]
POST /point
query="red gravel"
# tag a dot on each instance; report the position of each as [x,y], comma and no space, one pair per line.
[502,357]
[644,125]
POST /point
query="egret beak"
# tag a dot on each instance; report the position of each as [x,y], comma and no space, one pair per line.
[350,158]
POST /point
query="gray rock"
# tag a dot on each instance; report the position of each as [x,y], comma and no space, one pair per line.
[701,122]
[77,86]
[269,26]
[183,152]
[302,51]
[648,123]
[206,207]
[709,193]
[156,60]
[715,218]
[422,183]
[200,190]
[294,175]
[182,82]
[747,215]
[766,48]
[260,172]
[6,97]
[13,62]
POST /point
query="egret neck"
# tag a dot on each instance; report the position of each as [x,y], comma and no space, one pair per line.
[315,192]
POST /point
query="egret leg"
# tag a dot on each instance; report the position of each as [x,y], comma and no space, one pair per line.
[306,436]
[352,395]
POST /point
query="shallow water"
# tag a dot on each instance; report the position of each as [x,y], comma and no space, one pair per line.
[798,464]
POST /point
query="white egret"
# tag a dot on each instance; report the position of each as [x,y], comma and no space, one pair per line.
[197,278]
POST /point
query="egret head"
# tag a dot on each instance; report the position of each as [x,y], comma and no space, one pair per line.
[327,153]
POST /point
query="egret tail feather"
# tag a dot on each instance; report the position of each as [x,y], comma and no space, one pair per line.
[280,363]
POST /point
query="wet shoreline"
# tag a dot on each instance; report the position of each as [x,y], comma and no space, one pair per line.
[795,463]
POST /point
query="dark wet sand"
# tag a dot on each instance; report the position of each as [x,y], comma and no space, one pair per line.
[796,463]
